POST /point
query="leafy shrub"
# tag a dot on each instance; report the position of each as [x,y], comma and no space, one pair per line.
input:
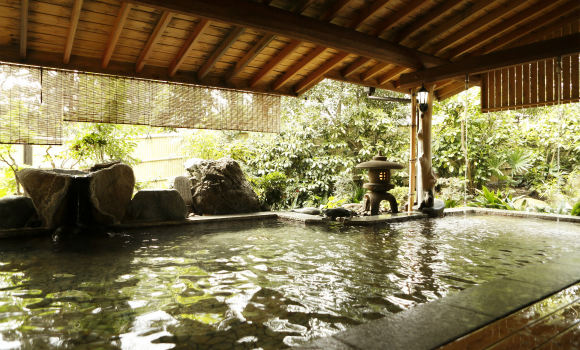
[271,189]
[576,210]
[490,199]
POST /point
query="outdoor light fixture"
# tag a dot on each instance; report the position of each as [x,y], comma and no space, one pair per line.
[369,90]
[422,97]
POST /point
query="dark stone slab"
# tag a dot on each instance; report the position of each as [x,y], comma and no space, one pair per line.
[553,275]
[425,326]
[15,212]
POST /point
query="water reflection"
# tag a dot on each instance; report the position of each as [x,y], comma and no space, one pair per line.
[256,285]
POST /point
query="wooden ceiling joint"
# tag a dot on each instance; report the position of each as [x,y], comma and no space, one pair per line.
[24,5]
[295,69]
[319,74]
[189,45]
[379,67]
[72,29]
[429,17]
[220,52]
[116,33]
[153,39]
[392,20]
[288,50]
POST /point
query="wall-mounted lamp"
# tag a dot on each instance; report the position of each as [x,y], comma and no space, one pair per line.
[369,90]
[422,99]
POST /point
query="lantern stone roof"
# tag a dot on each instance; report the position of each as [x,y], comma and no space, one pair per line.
[379,162]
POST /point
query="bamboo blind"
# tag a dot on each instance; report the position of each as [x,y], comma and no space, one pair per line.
[35,101]
[531,85]
[30,105]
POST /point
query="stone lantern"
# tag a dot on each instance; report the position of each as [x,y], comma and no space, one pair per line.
[379,184]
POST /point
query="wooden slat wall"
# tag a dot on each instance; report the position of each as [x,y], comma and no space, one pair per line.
[531,85]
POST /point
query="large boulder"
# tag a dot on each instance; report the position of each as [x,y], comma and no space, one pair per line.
[15,212]
[222,188]
[157,205]
[110,190]
[48,191]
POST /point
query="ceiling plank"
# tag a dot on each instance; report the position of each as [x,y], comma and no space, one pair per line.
[355,79]
[72,29]
[429,17]
[451,23]
[116,33]
[298,67]
[188,46]
[502,27]
[374,71]
[392,20]
[367,13]
[318,75]
[250,14]
[301,6]
[503,10]
[356,65]
[288,50]
[249,56]
[220,52]
[126,69]
[500,59]
[155,36]
[23,27]
[571,7]
[391,74]
[549,29]
[450,90]
[335,9]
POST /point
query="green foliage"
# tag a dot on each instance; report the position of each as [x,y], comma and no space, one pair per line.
[334,202]
[490,199]
[401,195]
[271,189]
[576,210]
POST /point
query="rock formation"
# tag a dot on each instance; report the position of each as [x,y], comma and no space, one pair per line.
[157,205]
[221,188]
[110,190]
[16,212]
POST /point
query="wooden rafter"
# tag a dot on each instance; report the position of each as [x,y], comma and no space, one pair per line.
[288,50]
[556,14]
[355,79]
[391,74]
[23,27]
[319,74]
[336,8]
[528,53]
[502,27]
[249,56]
[367,13]
[546,30]
[220,52]
[451,23]
[503,10]
[301,5]
[155,36]
[188,46]
[356,65]
[116,33]
[295,69]
[429,17]
[450,90]
[72,29]
[374,71]
[250,14]
[393,19]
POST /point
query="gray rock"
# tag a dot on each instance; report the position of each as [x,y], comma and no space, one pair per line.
[110,191]
[183,185]
[48,191]
[72,172]
[353,206]
[157,205]
[337,212]
[436,210]
[15,211]
[308,210]
[222,189]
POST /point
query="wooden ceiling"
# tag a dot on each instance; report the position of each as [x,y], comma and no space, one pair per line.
[288,46]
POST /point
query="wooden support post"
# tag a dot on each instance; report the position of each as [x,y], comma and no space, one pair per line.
[428,179]
[413,155]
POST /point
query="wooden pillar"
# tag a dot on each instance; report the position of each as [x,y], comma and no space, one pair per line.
[413,152]
[428,179]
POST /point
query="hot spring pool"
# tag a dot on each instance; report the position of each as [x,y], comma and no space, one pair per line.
[248,285]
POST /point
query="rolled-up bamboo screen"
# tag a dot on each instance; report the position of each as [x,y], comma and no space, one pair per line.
[32,108]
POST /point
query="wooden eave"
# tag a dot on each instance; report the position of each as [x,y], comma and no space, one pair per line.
[282,47]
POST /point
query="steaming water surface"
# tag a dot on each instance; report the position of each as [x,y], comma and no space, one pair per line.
[250,285]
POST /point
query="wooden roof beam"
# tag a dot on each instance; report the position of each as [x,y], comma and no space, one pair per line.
[356,65]
[298,67]
[301,6]
[549,29]
[72,29]
[335,9]
[391,74]
[188,46]
[288,50]
[392,20]
[426,19]
[503,10]
[502,27]
[24,4]
[451,23]
[116,33]
[565,45]
[155,36]
[450,90]
[374,71]
[249,56]
[367,13]
[571,8]
[250,14]
[319,74]
[355,79]
[220,52]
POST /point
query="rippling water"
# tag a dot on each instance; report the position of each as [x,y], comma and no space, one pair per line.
[250,285]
